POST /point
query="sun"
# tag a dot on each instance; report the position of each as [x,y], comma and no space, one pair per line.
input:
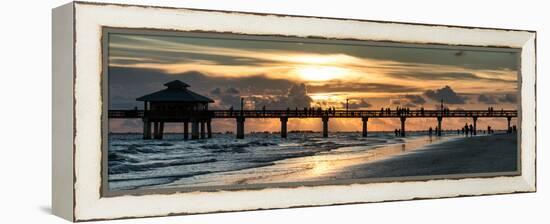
[320,73]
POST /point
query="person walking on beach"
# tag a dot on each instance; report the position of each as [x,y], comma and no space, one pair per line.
[430,131]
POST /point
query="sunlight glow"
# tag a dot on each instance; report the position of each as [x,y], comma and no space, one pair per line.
[320,73]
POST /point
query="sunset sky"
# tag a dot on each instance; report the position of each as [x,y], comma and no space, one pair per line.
[278,74]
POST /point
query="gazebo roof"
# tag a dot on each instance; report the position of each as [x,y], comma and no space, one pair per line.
[176,91]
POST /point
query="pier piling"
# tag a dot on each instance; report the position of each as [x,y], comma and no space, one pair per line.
[325,127]
[203,130]
[475,126]
[284,120]
[403,119]
[194,129]
[146,129]
[209,128]
[509,129]
[365,120]
[439,120]
[240,127]
[185,130]
[155,130]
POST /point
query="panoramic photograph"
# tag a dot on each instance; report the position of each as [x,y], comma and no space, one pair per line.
[216,110]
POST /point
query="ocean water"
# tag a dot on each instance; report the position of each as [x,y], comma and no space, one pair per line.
[134,163]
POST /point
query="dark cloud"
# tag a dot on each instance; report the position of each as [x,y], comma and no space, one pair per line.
[415,99]
[228,100]
[361,87]
[486,99]
[509,98]
[297,96]
[216,92]
[445,76]
[357,104]
[127,84]
[232,91]
[395,102]
[448,95]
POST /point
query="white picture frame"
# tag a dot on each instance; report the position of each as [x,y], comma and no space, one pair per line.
[77,111]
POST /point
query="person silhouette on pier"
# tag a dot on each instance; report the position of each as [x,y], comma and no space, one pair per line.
[430,131]
[466,129]
[471,130]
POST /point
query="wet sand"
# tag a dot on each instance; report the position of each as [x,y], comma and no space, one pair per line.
[416,156]
[480,154]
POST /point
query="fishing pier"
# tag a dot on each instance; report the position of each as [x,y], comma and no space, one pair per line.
[178,104]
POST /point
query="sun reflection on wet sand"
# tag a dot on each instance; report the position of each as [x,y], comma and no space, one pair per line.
[328,165]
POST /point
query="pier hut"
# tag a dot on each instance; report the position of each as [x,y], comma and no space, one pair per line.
[176,103]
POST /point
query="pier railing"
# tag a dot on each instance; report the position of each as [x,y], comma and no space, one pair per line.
[315,113]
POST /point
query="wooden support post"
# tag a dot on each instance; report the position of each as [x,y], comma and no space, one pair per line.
[161,130]
[203,129]
[509,130]
[439,119]
[365,120]
[284,120]
[146,129]
[325,127]
[209,128]
[475,126]
[403,119]
[155,130]
[185,130]
[194,129]
[240,127]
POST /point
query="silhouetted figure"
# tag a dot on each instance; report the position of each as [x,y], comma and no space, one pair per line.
[462,130]
[489,129]
[396,132]
[231,111]
[430,131]
[471,130]
[458,131]
[466,129]
[514,129]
